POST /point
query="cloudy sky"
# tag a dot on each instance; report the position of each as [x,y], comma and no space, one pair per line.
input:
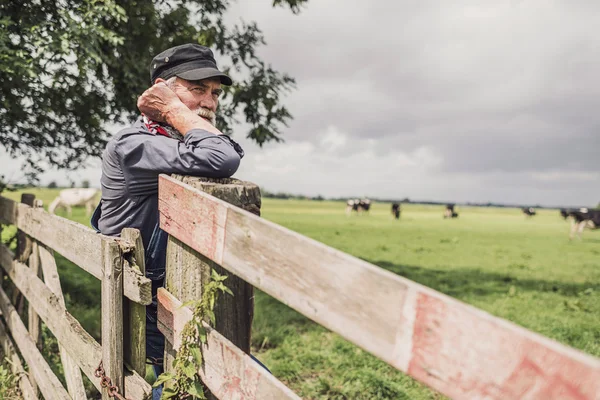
[432,100]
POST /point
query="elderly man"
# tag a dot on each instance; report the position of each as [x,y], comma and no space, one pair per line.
[174,134]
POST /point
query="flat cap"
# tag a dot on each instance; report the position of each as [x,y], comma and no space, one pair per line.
[190,61]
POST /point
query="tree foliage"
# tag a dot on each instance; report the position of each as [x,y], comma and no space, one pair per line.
[69,67]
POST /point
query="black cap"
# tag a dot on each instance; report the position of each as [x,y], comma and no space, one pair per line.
[191,62]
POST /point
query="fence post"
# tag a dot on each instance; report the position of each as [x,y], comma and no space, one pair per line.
[134,315]
[26,253]
[34,321]
[112,315]
[24,246]
[187,270]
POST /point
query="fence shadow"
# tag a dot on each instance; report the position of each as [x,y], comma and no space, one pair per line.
[460,283]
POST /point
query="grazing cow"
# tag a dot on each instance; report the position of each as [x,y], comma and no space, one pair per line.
[364,205]
[357,205]
[581,219]
[449,212]
[565,212]
[68,198]
[396,210]
[529,211]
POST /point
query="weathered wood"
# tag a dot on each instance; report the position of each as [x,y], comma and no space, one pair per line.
[80,345]
[72,372]
[134,326]
[228,372]
[82,246]
[24,244]
[15,364]
[24,252]
[432,337]
[8,211]
[48,383]
[233,314]
[112,315]
[34,324]
[187,271]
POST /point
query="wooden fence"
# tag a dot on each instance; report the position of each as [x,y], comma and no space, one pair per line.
[454,348]
[125,292]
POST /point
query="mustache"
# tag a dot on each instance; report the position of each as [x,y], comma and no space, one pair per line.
[206,113]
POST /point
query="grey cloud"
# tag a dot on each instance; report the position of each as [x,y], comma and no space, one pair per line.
[493,86]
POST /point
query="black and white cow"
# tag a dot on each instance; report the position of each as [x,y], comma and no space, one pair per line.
[564,212]
[449,212]
[529,211]
[581,219]
[396,210]
[357,205]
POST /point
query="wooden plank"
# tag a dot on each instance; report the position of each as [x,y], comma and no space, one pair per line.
[112,315]
[34,324]
[228,372]
[15,364]
[432,337]
[134,326]
[80,245]
[38,367]
[82,347]
[72,372]
[8,211]
[24,244]
[24,251]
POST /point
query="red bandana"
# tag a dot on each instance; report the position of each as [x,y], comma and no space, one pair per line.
[155,127]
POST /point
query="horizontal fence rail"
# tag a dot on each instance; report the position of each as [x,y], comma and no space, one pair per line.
[227,370]
[75,242]
[455,348]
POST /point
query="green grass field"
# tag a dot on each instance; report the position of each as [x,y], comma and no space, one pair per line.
[524,270]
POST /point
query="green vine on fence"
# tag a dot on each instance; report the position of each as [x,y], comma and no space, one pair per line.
[184,382]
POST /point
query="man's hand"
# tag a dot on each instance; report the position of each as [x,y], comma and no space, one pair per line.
[158,101]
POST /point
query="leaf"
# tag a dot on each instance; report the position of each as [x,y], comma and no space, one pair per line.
[168,393]
[197,390]
[197,354]
[211,316]
[202,335]
[188,369]
[162,378]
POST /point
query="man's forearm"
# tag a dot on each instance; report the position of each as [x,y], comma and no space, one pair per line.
[184,120]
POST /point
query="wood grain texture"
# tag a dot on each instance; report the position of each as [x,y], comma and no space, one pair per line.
[47,382]
[72,372]
[8,211]
[112,315]
[414,328]
[228,372]
[82,246]
[80,345]
[134,314]
[34,324]
[24,243]
[188,271]
[15,364]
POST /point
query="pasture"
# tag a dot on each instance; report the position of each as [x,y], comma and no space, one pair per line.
[524,270]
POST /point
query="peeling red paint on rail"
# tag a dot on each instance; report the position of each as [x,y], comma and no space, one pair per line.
[202,224]
[448,343]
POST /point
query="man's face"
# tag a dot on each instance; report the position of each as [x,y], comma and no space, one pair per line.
[201,96]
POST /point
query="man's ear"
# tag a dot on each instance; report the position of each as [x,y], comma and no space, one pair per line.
[159,80]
